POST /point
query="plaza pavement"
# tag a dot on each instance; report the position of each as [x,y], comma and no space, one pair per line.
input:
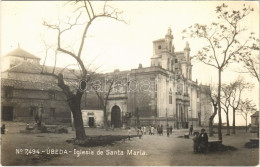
[149,150]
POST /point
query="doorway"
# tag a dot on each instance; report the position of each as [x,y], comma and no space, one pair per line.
[91,121]
[116,117]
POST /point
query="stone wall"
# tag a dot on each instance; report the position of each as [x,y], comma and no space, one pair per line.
[25,102]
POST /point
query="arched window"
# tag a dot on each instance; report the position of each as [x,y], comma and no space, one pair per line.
[159,47]
[170,96]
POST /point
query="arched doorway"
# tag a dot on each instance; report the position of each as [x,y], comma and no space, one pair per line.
[116,117]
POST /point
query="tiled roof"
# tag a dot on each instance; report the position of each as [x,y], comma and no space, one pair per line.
[33,68]
[256,114]
[18,84]
[26,67]
[68,73]
[18,52]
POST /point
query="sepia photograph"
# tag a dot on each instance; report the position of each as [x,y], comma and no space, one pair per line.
[129,83]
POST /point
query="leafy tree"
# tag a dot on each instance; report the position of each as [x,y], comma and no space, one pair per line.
[223,43]
[251,59]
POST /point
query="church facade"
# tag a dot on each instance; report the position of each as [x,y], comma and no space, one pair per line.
[163,93]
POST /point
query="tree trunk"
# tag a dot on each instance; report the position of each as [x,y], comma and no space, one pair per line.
[211,126]
[74,104]
[234,122]
[246,123]
[105,118]
[211,120]
[228,128]
[219,106]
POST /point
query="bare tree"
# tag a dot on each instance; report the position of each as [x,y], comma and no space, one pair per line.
[236,88]
[225,101]
[103,93]
[246,108]
[83,9]
[223,45]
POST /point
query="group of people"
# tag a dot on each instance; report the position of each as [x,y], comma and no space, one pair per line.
[3,129]
[200,142]
[151,130]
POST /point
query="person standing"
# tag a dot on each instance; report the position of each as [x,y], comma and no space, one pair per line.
[168,130]
[158,129]
[144,130]
[161,130]
[191,130]
[171,129]
[3,129]
[152,130]
[195,143]
[203,141]
[139,133]
[129,133]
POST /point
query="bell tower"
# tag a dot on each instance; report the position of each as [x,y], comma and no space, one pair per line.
[163,52]
[168,40]
[187,52]
[188,66]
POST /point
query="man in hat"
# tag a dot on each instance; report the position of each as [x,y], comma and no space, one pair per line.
[191,130]
[203,141]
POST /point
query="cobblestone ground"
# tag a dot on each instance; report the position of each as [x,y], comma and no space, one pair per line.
[149,150]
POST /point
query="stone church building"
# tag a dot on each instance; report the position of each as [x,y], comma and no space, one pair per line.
[163,93]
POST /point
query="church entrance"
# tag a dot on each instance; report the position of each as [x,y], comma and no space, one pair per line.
[91,121]
[116,117]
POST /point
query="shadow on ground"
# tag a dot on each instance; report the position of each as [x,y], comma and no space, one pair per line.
[93,141]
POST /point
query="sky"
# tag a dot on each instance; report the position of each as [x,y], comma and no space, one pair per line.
[112,44]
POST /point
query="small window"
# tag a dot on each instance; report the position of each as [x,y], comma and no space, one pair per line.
[170,97]
[159,47]
[176,60]
[8,91]
[52,112]
[51,94]
[32,111]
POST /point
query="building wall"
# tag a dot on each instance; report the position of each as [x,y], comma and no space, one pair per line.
[23,101]
[206,106]
[97,115]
